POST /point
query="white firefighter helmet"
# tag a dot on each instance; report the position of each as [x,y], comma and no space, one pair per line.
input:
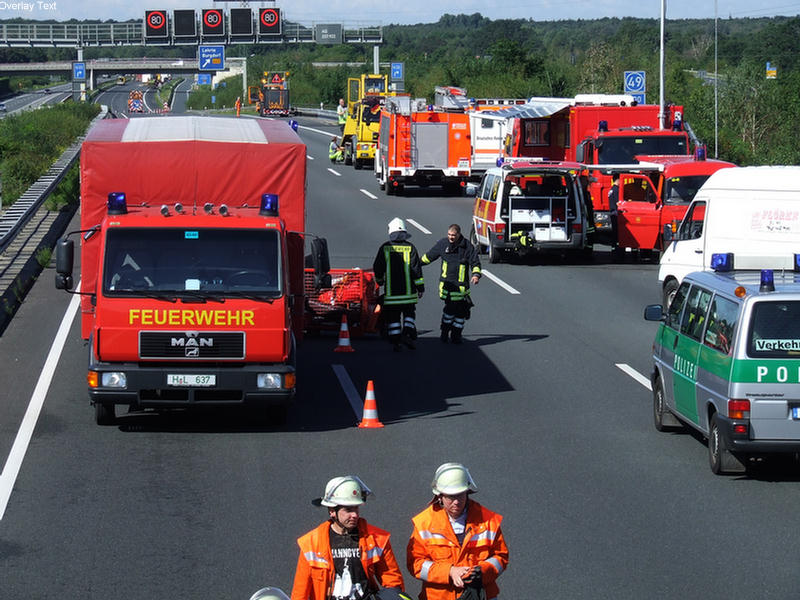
[515,191]
[397,225]
[344,491]
[269,593]
[452,479]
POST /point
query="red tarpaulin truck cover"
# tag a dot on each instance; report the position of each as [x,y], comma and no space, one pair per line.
[193,161]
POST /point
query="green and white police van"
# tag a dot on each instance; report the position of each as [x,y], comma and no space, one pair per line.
[727,362]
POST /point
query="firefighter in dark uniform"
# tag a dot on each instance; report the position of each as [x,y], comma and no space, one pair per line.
[460,266]
[399,270]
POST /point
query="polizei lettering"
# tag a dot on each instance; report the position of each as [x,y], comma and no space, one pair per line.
[182,317]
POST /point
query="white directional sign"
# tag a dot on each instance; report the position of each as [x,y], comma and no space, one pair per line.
[210,58]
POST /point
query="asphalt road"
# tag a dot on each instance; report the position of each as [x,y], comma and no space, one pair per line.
[558,437]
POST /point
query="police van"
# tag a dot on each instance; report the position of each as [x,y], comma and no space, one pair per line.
[727,362]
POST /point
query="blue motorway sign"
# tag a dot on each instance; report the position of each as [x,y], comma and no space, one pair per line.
[79,71]
[635,82]
[204,79]
[397,71]
[211,58]
[639,98]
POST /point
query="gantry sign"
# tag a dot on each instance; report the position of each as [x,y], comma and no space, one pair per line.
[187,26]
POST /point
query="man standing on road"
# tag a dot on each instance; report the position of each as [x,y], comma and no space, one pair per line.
[345,558]
[460,266]
[341,115]
[457,547]
[398,269]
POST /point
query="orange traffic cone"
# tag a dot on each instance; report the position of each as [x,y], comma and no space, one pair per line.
[370,418]
[344,338]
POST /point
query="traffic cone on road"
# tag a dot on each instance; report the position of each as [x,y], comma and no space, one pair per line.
[370,418]
[344,338]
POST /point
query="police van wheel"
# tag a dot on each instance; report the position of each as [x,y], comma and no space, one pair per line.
[105,413]
[670,287]
[720,459]
[660,413]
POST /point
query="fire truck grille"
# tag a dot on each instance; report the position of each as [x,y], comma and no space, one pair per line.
[191,345]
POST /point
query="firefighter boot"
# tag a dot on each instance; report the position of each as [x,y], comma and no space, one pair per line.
[455,336]
[445,332]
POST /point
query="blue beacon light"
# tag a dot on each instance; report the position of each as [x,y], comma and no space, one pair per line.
[767,281]
[117,205]
[269,205]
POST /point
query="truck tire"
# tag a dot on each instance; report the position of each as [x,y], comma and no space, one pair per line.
[720,459]
[105,413]
[348,154]
[357,164]
[670,287]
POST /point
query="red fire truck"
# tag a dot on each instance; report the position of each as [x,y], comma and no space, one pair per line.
[192,262]
[422,145]
[596,130]
[656,192]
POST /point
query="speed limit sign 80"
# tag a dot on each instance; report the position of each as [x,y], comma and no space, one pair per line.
[213,22]
[155,24]
[269,21]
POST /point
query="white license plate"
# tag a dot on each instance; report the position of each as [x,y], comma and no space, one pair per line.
[796,412]
[192,380]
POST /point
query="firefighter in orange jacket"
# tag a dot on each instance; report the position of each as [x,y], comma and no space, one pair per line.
[457,543]
[345,558]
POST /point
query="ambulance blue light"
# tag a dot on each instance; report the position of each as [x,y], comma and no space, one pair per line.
[500,161]
[722,263]
[796,263]
[767,281]
[117,205]
[602,126]
[269,205]
[700,153]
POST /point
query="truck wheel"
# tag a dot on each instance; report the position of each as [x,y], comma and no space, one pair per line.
[389,188]
[348,154]
[670,287]
[720,459]
[357,164]
[105,413]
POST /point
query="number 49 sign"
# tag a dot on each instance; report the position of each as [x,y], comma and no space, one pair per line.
[635,82]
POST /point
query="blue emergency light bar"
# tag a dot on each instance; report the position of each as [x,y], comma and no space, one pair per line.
[602,126]
[269,205]
[677,125]
[722,263]
[117,205]
[700,153]
[767,281]
[796,263]
[293,124]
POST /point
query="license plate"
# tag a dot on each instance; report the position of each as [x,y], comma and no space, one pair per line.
[192,380]
[796,412]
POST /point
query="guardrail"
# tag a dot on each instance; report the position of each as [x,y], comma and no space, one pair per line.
[19,213]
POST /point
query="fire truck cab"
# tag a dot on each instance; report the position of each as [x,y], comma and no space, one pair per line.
[531,206]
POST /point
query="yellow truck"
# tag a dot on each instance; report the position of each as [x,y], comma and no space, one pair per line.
[366,96]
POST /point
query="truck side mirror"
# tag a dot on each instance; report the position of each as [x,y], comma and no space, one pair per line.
[471,190]
[668,235]
[653,312]
[65,256]
[320,262]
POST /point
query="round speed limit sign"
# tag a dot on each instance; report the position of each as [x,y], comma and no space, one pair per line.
[156,20]
[269,17]
[212,18]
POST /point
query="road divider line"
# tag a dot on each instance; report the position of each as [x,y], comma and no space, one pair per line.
[349,390]
[368,195]
[334,172]
[309,157]
[328,133]
[418,226]
[633,373]
[500,282]
[14,462]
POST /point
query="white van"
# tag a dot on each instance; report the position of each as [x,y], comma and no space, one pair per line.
[751,212]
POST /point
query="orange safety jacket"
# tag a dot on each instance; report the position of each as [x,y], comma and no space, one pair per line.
[434,548]
[315,574]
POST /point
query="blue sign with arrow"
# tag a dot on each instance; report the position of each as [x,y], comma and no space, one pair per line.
[79,71]
[211,58]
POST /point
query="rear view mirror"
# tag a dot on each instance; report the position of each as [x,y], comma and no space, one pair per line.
[471,190]
[668,234]
[653,312]
[65,257]
[320,262]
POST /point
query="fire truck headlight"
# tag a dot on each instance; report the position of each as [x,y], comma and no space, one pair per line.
[114,379]
[269,381]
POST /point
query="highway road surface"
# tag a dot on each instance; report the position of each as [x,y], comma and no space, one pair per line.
[547,403]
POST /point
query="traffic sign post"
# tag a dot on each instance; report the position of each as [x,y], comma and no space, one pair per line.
[210,58]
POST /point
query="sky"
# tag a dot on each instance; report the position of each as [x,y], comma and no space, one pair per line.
[371,12]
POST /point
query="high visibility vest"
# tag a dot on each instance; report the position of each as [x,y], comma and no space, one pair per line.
[460,262]
[398,268]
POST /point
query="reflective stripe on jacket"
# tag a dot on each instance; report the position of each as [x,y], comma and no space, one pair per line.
[434,548]
[315,574]
[398,269]
[460,262]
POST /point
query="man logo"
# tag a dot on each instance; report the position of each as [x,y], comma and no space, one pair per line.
[191,343]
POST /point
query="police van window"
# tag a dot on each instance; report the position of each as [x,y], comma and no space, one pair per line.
[674,312]
[774,330]
[694,317]
[722,319]
[692,224]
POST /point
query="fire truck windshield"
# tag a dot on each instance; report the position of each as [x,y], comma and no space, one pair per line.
[681,190]
[174,261]
[622,150]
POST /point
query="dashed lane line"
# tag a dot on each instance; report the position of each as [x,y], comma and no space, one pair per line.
[349,390]
[418,226]
[368,195]
[500,282]
[334,172]
[633,373]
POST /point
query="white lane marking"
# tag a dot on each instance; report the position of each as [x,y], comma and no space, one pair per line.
[499,282]
[349,390]
[23,439]
[328,133]
[309,157]
[418,226]
[335,172]
[638,377]
[366,193]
